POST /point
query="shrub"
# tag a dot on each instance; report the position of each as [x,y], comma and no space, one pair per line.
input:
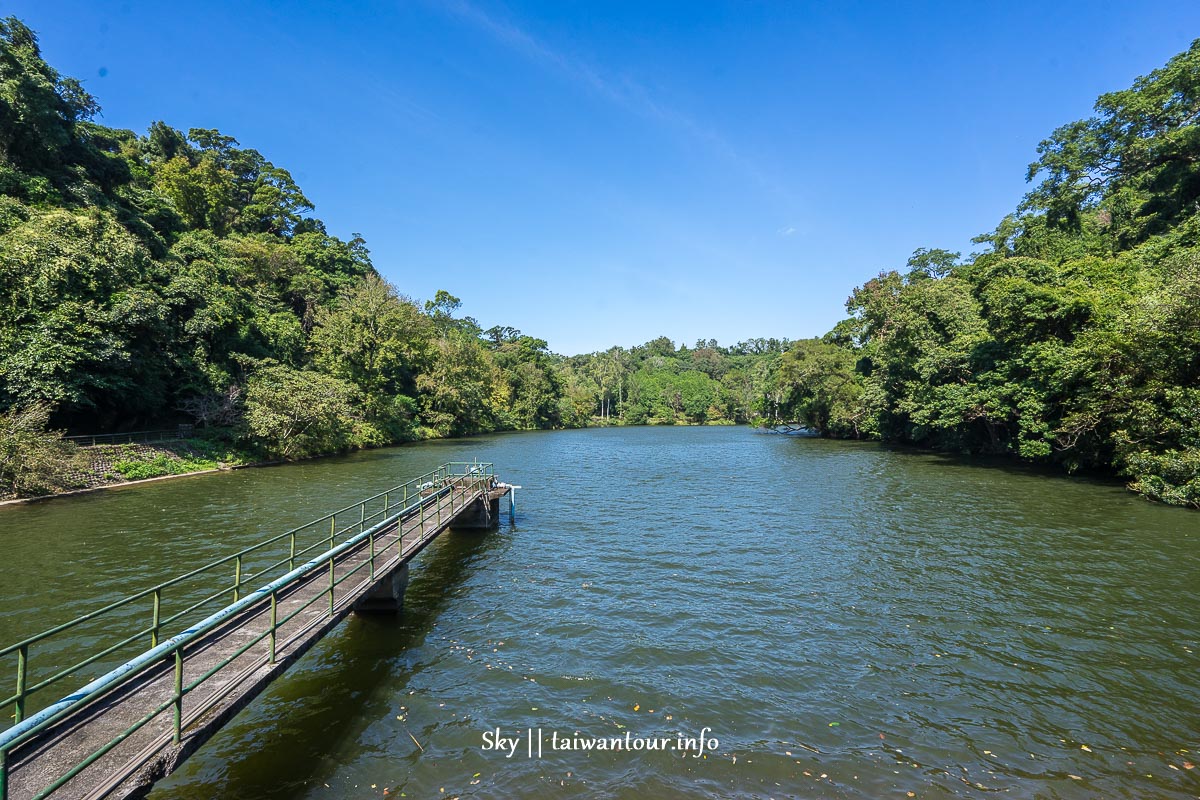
[1172,477]
[33,460]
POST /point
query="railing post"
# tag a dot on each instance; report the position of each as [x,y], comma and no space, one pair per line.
[157,616]
[22,680]
[372,538]
[399,538]
[405,505]
[274,625]
[3,774]
[292,553]
[362,516]
[331,586]
[237,578]
[387,505]
[332,529]
[178,694]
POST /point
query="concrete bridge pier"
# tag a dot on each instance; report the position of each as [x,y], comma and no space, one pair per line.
[482,514]
[387,595]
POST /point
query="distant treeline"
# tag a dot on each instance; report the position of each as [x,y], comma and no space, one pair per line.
[1072,337]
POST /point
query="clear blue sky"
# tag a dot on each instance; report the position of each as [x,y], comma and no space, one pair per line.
[604,173]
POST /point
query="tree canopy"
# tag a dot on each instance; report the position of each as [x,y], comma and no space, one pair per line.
[152,278]
[1072,337]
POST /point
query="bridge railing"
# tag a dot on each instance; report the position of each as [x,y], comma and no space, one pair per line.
[413,499]
[140,621]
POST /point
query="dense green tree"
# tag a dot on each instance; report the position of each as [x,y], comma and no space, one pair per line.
[826,393]
[295,413]
[377,340]
[462,390]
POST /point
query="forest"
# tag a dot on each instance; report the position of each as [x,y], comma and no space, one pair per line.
[1071,338]
[165,277]
[180,277]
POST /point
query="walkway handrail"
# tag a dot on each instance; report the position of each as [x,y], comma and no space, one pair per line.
[328,534]
[465,480]
[21,732]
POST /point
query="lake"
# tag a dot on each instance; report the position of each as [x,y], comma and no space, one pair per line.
[845,620]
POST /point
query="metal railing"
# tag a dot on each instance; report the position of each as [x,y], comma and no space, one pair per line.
[199,601]
[133,437]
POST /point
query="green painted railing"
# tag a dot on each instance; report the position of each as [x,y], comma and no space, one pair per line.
[133,437]
[200,600]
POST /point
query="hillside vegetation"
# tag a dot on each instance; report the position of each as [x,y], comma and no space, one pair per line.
[148,279]
[165,277]
[1072,337]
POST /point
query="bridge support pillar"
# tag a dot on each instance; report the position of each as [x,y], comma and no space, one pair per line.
[387,595]
[482,514]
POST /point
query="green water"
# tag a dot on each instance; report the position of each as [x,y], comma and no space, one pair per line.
[848,621]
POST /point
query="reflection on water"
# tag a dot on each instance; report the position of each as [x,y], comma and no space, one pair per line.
[849,621]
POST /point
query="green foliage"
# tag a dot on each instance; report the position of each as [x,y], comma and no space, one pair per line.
[160,464]
[213,450]
[34,460]
[1171,477]
[462,390]
[297,413]
[826,394]
[377,340]
[1135,162]
[144,277]
[147,276]
[1072,338]
[656,383]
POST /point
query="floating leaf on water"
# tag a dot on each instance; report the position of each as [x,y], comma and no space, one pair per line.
[1075,777]
[1085,748]
[637,706]
[834,724]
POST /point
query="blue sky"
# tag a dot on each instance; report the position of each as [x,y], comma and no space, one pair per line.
[605,173]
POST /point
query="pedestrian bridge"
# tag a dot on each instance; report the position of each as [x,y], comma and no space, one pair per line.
[158,672]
